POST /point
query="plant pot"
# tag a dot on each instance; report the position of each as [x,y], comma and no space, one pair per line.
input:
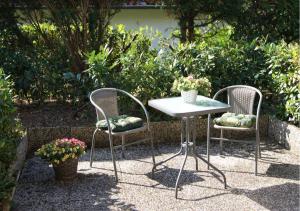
[5,205]
[66,171]
[189,96]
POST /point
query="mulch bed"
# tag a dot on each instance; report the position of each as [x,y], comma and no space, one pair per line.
[56,114]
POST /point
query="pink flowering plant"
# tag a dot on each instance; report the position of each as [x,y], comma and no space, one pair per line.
[61,150]
[202,85]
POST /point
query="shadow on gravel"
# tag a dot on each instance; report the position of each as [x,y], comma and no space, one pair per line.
[277,197]
[134,152]
[37,190]
[286,171]
[168,176]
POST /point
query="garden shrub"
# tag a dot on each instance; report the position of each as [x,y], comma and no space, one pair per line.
[148,73]
[10,132]
[272,68]
[127,61]
[283,65]
[6,183]
[40,72]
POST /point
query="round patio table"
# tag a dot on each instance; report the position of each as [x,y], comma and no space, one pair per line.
[175,107]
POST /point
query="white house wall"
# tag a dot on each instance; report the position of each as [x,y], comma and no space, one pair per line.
[157,19]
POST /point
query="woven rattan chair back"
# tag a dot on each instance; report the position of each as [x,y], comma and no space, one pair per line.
[107,100]
[241,100]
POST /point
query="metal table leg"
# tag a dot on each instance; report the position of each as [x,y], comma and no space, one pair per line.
[184,145]
[215,168]
[194,143]
[189,146]
[173,156]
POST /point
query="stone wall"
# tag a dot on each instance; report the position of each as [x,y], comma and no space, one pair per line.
[285,134]
[163,132]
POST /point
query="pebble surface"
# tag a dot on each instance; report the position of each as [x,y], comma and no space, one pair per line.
[277,186]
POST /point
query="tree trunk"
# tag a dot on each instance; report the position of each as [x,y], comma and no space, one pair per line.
[191,29]
[183,29]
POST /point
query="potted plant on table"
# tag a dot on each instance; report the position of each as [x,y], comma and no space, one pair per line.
[63,154]
[189,87]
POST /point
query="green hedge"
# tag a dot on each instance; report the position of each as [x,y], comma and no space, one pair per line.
[10,132]
[127,61]
[36,69]
[149,73]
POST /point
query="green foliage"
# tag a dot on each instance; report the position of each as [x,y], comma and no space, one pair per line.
[10,129]
[42,72]
[37,71]
[128,62]
[223,61]
[283,66]
[273,68]
[6,183]
[202,85]
[149,74]
[202,15]
[276,20]
[9,134]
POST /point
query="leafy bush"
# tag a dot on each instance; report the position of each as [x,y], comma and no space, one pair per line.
[42,69]
[9,134]
[273,68]
[35,69]
[283,65]
[224,64]
[128,62]
[6,183]
[9,126]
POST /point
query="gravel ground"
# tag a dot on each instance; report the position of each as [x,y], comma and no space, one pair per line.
[276,187]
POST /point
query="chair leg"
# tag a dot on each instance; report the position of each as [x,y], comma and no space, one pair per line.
[257,151]
[92,148]
[113,156]
[208,140]
[152,148]
[194,142]
[123,147]
[221,142]
[182,138]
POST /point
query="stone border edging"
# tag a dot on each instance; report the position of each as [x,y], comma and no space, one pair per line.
[285,134]
[15,169]
[163,132]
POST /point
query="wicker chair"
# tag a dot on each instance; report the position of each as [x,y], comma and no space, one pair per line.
[105,101]
[241,98]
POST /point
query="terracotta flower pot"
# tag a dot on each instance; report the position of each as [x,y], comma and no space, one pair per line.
[66,171]
[5,204]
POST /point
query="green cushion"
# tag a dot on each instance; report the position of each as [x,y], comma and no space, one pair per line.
[120,123]
[236,120]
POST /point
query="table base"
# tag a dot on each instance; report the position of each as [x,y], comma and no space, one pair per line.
[188,147]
